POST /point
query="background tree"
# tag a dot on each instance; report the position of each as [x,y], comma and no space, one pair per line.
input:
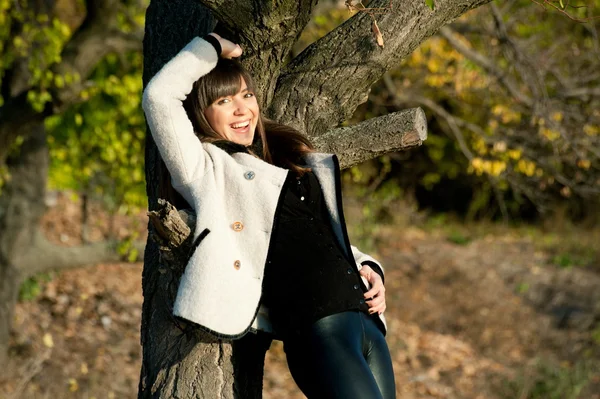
[514,113]
[335,74]
[49,52]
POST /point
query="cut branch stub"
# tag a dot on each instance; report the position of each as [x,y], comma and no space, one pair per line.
[172,232]
[171,227]
[374,137]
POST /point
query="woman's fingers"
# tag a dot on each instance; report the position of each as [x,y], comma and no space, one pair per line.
[376,301]
[377,287]
[378,309]
[376,294]
[228,48]
[234,52]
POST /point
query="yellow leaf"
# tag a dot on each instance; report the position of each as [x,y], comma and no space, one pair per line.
[514,154]
[549,134]
[377,34]
[48,341]
[584,164]
[497,168]
[73,385]
[557,116]
[591,130]
[84,368]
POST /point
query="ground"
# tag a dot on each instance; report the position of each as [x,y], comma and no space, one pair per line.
[477,315]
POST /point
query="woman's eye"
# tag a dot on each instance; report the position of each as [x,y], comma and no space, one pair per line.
[223,101]
[249,94]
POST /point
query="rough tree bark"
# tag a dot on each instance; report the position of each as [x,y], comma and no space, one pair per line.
[315,92]
[20,208]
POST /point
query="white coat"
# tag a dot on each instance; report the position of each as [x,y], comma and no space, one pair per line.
[234,196]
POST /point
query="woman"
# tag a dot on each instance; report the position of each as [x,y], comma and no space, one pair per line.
[271,251]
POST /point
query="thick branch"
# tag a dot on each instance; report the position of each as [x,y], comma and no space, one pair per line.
[375,137]
[323,86]
[266,30]
[45,256]
[234,14]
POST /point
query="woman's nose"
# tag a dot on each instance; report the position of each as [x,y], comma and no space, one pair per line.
[240,108]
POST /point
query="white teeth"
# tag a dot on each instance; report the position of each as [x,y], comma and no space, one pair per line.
[238,125]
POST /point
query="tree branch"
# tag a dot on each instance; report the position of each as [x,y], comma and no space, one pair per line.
[487,64]
[374,137]
[45,256]
[234,14]
[323,86]
[581,92]
[267,40]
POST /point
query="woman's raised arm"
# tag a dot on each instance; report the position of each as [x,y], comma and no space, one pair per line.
[163,105]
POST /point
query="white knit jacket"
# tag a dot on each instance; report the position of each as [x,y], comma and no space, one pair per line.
[220,289]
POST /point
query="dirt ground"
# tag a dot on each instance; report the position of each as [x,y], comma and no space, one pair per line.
[491,318]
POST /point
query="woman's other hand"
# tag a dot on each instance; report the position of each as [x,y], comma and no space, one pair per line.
[228,48]
[375,296]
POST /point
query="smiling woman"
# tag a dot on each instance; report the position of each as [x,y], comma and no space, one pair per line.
[271,253]
[234,117]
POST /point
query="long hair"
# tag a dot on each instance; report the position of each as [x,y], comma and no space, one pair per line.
[277,144]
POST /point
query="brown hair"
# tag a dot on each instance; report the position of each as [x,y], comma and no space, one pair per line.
[280,145]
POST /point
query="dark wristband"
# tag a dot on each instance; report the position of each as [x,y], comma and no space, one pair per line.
[215,43]
[375,268]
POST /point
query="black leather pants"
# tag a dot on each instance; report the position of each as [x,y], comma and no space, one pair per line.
[342,356]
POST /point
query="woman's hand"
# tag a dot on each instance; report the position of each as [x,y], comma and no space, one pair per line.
[376,295]
[228,48]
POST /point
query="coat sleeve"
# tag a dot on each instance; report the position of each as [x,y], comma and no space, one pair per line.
[364,259]
[170,127]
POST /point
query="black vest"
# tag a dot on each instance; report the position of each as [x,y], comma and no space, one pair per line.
[307,276]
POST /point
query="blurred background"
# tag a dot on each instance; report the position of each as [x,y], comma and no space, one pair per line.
[488,232]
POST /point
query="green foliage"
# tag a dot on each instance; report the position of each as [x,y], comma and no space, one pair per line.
[522,288]
[97,146]
[457,237]
[430,4]
[548,381]
[569,259]
[126,249]
[596,335]
[39,42]
[31,288]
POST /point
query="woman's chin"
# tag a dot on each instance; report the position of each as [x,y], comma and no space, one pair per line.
[245,139]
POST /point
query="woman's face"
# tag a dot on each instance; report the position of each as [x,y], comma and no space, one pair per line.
[235,117]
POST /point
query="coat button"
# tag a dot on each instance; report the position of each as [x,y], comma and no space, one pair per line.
[249,175]
[237,264]
[237,226]
[349,271]
[355,286]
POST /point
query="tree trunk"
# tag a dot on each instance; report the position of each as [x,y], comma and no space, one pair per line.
[179,360]
[9,289]
[22,249]
[20,213]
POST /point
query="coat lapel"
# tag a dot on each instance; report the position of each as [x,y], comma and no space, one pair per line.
[323,166]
